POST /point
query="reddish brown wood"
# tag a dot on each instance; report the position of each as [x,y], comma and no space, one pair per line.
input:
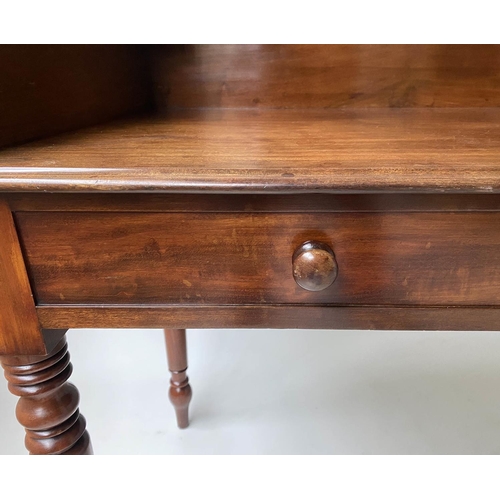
[48,405]
[48,89]
[180,392]
[19,327]
[251,203]
[407,198]
[269,151]
[314,267]
[52,337]
[236,259]
[274,316]
[326,76]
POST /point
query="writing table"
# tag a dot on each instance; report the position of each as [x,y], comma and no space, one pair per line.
[338,187]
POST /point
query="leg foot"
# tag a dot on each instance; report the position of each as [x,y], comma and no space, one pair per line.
[180,391]
[48,404]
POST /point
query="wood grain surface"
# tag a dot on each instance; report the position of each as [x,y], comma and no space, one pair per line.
[326,76]
[48,404]
[273,316]
[283,203]
[409,150]
[168,258]
[186,214]
[20,331]
[180,392]
[49,89]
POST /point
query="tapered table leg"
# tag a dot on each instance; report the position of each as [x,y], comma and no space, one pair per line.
[180,391]
[48,404]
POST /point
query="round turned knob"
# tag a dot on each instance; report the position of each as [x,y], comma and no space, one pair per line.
[314,266]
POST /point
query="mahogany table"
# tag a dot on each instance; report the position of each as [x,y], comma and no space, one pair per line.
[238,186]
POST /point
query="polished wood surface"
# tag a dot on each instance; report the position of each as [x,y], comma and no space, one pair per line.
[19,327]
[48,404]
[250,203]
[327,76]
[365,150]
[314,267]
[205,170]
[49,89]
[328,317]
[180,392]
[235,259]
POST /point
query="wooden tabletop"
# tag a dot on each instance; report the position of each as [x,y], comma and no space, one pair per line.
[223,150]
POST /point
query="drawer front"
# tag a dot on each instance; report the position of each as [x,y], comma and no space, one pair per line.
[241,258]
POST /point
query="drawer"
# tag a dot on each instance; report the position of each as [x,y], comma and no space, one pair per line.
[246,258]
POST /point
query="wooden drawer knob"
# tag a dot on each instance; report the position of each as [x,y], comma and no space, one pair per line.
[314,266]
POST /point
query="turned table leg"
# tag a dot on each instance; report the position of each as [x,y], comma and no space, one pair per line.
[48,404]
[180,391]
